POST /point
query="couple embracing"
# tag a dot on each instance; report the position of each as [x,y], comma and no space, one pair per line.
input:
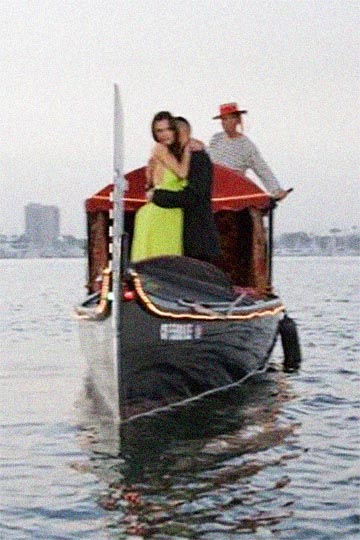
[178,219]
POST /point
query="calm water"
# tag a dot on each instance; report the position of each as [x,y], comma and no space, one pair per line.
[275,459]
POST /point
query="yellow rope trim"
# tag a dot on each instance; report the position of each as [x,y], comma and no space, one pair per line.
[103,306]
[238,197]
[216,316]
[214,199]
[108,198]
[102,197]
[102,310]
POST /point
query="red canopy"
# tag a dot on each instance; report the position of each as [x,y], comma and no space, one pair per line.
[231,191]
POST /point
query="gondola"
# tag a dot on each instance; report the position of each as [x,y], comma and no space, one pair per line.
[164,331]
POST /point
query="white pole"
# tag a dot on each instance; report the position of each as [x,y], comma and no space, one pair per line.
[118,226]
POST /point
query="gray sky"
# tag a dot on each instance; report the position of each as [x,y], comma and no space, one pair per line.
[294,64]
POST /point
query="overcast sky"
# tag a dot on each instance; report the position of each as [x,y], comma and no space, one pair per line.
[294,64]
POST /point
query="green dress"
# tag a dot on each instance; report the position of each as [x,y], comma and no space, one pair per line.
[159,231]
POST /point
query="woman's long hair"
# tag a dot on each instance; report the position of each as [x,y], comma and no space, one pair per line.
[175,147]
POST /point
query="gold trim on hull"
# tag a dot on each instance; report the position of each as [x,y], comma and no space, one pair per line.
[211,315]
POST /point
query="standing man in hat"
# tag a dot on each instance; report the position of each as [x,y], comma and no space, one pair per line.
[234,150]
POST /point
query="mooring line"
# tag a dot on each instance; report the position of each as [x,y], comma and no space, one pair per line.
[186,401]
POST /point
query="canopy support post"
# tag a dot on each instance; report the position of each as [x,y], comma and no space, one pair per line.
[270,243]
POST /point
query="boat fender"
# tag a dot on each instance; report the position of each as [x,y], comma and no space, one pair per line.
[290,343]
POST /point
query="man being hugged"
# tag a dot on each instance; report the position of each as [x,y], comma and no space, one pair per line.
[200,236]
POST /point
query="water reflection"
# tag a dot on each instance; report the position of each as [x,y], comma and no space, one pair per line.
[215,467]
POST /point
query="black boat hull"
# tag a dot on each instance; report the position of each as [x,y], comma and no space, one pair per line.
[184,331]
[165,361]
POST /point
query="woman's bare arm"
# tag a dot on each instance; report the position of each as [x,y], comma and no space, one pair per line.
[149,174]
[180,168]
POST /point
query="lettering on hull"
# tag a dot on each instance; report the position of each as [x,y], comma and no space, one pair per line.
[180,332]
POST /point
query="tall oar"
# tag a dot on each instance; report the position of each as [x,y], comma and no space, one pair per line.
[118,226]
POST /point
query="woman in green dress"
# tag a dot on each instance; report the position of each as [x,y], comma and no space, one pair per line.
[159,231]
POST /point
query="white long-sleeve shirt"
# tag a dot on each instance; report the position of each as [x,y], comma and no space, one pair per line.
[241,154]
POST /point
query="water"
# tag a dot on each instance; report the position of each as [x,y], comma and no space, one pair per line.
[275,459]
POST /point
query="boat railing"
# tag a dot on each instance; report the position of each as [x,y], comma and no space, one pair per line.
[238,301]
[241,303]
[198,307]
[97,305]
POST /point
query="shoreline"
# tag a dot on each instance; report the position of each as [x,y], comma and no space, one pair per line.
[72,256]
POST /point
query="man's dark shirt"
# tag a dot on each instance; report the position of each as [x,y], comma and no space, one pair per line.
[200,235]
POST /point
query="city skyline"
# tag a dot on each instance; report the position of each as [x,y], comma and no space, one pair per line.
[354,227]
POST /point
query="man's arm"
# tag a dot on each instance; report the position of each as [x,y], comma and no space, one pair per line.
[198,184]
[262,169]
[168,199]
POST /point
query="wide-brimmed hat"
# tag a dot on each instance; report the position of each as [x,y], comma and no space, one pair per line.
[228,108]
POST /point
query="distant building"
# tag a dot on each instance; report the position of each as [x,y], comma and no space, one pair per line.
[42,223]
